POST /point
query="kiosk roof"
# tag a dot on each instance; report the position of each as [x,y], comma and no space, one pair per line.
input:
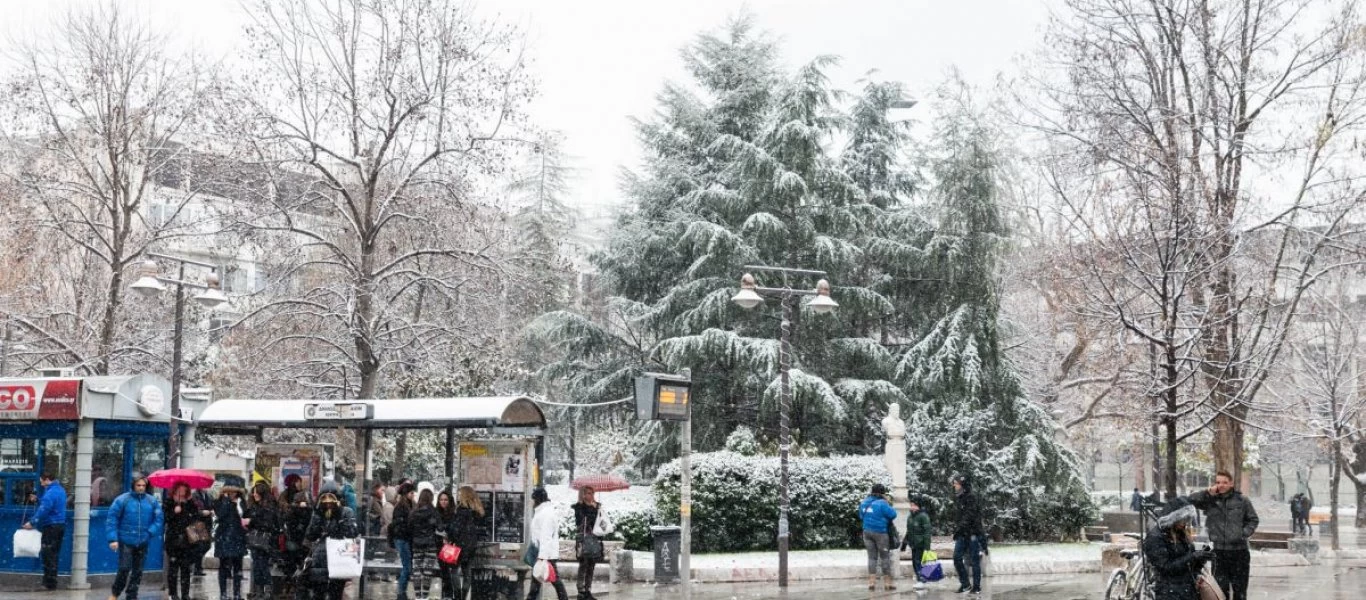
[408,413]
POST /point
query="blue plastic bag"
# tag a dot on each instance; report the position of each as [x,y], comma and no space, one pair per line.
[931,571]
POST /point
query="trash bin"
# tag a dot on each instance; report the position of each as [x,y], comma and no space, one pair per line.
[666,544]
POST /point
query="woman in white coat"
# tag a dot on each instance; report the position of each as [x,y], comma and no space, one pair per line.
[545,533]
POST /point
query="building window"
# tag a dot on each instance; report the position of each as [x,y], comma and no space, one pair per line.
[59,459]
[106,474]
[18,456]
[158,214]
[149,456]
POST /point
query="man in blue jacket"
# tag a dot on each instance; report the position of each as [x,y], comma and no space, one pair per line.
[877,514]
[51,521]
[134,520]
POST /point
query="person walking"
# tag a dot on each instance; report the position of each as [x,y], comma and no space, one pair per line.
[423,526]
[230,538]
[375,507]
[1295,528]
[1230,520]
[1306,506]
[264,527]
[968,536]
[182,513]
[545,534]
[589,527]
[400,538]
[50,521]
[917,540]
[877,514]
[332,521]
[1172,558]
[463,531]
[1136,501]
[133,519]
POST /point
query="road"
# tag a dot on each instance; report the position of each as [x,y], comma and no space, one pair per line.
[1313,583]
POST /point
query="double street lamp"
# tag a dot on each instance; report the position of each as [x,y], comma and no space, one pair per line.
[752,295]
[150,283]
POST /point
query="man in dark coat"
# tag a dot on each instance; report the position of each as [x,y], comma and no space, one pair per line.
[968,536]
[1136,501]
[1230,520]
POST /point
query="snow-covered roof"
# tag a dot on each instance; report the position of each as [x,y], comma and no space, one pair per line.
[407,413]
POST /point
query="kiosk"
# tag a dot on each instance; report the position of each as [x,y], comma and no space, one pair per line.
[95,434]
[502,465]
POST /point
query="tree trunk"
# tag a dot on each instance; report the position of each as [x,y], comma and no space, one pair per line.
[400,455]
[1361,504]
[113,296]
[1335,479]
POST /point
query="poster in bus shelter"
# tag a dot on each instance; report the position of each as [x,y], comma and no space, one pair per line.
[509,518]
[485,523]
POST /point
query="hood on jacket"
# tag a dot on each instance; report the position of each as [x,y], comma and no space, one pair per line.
[1178,511]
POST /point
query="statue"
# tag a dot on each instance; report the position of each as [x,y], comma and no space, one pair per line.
[894,457]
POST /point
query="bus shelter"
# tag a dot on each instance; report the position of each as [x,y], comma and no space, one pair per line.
[501,463]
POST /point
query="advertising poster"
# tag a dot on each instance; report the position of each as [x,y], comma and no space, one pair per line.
[486,521]
[509,518]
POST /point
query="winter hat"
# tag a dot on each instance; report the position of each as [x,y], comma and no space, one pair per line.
[426,485]
[233,483]
[1178,511]
[404,488]
[878,490]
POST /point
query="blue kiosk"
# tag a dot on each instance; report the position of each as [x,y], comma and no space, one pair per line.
[96,434]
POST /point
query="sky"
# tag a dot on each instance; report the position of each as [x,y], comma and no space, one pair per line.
[601,62]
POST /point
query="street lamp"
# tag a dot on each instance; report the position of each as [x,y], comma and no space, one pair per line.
[149,284]
[750,296]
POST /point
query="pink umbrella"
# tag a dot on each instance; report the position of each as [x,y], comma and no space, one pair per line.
[601,483]
[167,478]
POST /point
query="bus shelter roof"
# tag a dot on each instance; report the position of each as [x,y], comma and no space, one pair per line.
[249,416]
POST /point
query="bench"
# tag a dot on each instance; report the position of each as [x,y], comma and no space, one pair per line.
[1267,540]
[1096,533]
[610,552]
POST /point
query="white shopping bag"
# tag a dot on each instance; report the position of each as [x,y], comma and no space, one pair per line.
[27,543]
[344,558]
[603,527]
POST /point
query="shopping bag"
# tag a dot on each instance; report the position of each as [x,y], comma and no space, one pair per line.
[344,558]
[603,527]
[27,543]
[553,574]
[928,557]
[544,572]
[1208,588]
[931,571]
[450,554]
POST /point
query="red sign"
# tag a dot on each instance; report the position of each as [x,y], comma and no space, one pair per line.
[42,399]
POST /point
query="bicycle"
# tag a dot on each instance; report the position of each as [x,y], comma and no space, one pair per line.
[1134,582]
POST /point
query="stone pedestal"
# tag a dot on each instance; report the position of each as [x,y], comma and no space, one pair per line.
[1305,546]
[894,457]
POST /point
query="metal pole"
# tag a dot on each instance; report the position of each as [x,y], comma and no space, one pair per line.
[784,436]
[80,537]
[685,506]
[173,450]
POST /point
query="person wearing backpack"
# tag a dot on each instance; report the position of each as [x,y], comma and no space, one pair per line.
[877,514]
[133,520]
[917,539]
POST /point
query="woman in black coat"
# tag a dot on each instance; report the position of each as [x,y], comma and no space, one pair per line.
[297,510]
[229,540]
[445,515]
[264,526]
[330,521]
[1171,556]
[423,525]
[181,513]
[463,530]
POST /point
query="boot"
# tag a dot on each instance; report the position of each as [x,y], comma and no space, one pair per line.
[890,583]
[185,589]
[872,582]
[237,588]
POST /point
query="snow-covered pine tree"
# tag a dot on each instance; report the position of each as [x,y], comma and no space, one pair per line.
[970,412]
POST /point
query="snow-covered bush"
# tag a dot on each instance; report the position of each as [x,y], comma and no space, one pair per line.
[632,511]
[742,441]
[735,500]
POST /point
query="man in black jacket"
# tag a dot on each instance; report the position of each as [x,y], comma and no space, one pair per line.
[968,536]
[1230,520]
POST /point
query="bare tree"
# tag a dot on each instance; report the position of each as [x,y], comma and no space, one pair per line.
[1172,136]
[393,113]
[93,118]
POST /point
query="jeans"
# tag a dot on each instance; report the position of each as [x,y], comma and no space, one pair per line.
[534,593]
[584,581]
[1231,570]
[130,570]
[879,552]
[405,561]
[51,550]
[917,554]
[260,567]
[968,552]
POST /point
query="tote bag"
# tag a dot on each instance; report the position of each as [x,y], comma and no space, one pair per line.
[27,543]
[450,554]
[344,558]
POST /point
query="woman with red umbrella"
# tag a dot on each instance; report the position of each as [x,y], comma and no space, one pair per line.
[182,515]
[590,524]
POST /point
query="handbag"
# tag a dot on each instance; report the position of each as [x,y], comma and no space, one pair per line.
[27,543]
[529,555]
[544,571]
[590,547]
[450,554]
[931,571]
[259,539]
[1207,588]
[344,557]
[197,533]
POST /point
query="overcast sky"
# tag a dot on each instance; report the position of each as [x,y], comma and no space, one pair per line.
[600,62]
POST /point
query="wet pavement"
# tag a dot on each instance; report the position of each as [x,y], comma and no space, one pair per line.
[1324,582]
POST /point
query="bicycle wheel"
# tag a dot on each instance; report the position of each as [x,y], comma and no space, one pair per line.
[1117,587]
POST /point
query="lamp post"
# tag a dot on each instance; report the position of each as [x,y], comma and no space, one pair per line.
[149,284]
[750,296]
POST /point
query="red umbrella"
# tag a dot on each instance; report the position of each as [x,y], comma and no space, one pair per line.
[167,478]
[601,483]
